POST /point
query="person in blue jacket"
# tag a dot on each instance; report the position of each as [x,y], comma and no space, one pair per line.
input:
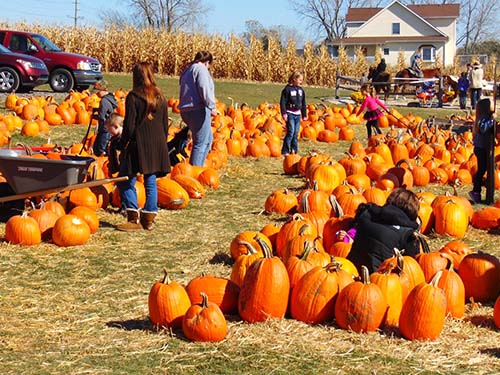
[107,106]
[463,86]
[197,105]
[293,109]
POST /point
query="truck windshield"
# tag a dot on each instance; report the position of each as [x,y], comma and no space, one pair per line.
[46,44]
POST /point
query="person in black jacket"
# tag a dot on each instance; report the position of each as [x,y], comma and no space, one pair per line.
[381,67]
[107,106]
[293,109]
[380,229]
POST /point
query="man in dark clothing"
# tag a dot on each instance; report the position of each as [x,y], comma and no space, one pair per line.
[106,108]
[381,67]
[381,229]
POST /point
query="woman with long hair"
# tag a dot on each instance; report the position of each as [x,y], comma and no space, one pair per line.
[197,105]
[144,147]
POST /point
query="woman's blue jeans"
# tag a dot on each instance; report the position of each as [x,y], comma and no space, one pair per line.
[128,194]
[199,122]
[291,141]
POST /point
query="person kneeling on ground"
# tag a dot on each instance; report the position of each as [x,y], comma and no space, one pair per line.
[380,229]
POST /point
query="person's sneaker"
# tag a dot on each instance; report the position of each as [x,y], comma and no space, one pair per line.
[475,196]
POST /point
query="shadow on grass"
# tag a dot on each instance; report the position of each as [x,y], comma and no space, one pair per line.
[492,352]
[133,325]
[484,321]
[221,258]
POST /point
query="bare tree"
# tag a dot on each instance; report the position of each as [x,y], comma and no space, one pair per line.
[170,15]
[328,17]
[280,33]
[478,22]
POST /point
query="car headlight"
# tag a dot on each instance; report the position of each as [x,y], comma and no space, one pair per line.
[31,65]
[83,65]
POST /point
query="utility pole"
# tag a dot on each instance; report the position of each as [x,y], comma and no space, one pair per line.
[76,13]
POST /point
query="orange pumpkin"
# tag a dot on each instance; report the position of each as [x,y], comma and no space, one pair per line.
[70,230]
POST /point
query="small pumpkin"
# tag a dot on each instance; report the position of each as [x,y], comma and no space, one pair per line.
[88,215]
[23,230]
[70,230]
[221,291]
[204,322]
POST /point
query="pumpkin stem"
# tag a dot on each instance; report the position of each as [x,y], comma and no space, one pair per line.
[204,300]
[365,275]
[265,247]
[250,249]
[166,278]
[333,266]
[436,278]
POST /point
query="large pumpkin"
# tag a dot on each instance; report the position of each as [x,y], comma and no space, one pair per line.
[389,282]
[424,312]
[265,289]
[171,195]
[313,297]
[360,306]
[168,302]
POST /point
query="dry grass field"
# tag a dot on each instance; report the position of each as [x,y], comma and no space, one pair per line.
[83,309]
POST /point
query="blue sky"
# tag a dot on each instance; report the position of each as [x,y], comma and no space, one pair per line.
[225,16]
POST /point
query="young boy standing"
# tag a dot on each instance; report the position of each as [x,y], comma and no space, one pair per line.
[106,108]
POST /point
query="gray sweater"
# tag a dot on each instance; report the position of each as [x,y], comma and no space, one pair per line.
[196,88]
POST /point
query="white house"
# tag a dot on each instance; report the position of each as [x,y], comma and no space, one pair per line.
[429,29]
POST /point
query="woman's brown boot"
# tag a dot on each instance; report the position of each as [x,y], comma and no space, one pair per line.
[147,219]
[132,222]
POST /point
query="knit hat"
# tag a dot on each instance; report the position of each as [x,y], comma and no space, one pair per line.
[101,85]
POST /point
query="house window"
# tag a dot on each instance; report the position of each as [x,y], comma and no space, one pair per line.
[428,53]
[386,51]
[396,28]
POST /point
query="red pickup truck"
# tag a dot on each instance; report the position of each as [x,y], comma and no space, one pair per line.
[67,71]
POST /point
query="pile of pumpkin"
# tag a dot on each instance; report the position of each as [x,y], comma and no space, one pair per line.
[50,222]
[243,131]
[175,190]
[300,269]
[312,286]
[34,115]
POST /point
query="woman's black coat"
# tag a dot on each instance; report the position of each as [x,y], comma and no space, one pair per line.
[378,231]
[144,141]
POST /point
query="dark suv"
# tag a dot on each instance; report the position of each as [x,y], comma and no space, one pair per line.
[67,71]
[20,72]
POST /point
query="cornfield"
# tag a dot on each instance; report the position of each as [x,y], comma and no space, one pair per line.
[118,48]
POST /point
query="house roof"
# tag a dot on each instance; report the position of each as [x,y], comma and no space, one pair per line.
[424,11]
[387,39]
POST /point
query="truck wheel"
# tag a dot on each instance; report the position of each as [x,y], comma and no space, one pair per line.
[61,80]
[9,79]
